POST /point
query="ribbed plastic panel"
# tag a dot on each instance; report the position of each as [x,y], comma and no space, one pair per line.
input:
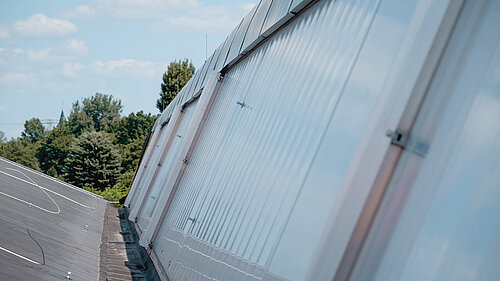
[253,33]
[278,13]
[166,165]
[258,145]
[234,50]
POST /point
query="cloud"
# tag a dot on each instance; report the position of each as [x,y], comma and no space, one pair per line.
[80,12]
[18,51]
[3,108]
[70,70]
[126,67]
[75,47]
[143,9]
[41,26]
[41,55]
[218,19]
[13,77]
[4,34]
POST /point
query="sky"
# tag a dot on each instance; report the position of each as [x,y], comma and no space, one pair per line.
[55,52]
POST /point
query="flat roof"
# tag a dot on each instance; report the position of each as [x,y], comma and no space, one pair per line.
[49,230]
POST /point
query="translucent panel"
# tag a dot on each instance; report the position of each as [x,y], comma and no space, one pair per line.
[340,141]
[206,72]
[136,187]
[441,216]
[235,49]
[147,177]
[161,176]
[253,31]
[259,151]
[277,13]
[221,60]
[216,55]
[298,5]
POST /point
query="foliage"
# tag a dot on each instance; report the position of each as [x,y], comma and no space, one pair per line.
[93,160]
[33,130]
[133,127]
[22,152]
[54,149]
[177,75]
[3,139]
[100,112]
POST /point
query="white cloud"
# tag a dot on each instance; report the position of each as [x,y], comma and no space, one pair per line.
[13,77]
[41,26]
[144,9]
[41,55]
[75,47]
[218,19]
[70,70]
[80,12]
[4,34]
[18,51]
[3,108]
[126,67]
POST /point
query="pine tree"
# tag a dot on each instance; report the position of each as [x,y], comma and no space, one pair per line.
[177,75]
[93,161]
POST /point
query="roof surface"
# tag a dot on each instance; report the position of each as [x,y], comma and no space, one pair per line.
[49,230]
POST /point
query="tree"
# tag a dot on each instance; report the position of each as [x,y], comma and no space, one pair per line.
[134,126]
[33,130]
[3,139]
[54,149]
[177,75]
[93,161]
[100,112]
[19,151]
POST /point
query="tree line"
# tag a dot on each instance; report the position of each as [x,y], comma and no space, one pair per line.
[96,148]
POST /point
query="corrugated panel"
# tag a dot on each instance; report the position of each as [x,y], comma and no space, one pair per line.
[205,73]
[149,172]
[166,165]
[277,14]
[234,51]
[253,33]
[298,5]
[216,55]
[259,143]
[150,155]
[225,49]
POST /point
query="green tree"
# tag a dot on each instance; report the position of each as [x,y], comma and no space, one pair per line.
[93,161]
[54,149]
[20,151]
[3,139]
[33,130]
[99,112]
[177,75]
[134,126]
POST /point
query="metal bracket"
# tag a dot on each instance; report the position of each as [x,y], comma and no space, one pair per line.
[150,244]
[242,104]
[192,219]
[185,161]
[398,137]
[159,164]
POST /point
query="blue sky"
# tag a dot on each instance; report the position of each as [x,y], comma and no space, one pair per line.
[53,53]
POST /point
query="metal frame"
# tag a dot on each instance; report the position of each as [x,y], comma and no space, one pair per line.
[360,197]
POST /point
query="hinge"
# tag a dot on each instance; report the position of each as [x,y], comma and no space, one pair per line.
[398,137]
[150,244]
[185,161]
[159,164]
